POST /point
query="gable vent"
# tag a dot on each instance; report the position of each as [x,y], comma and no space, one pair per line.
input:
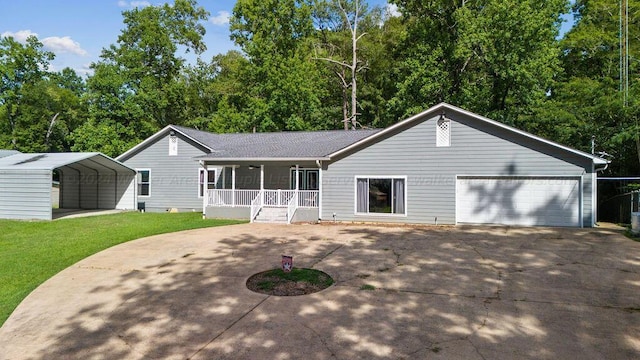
[443,132]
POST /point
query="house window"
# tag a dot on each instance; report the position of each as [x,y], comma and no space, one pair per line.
[381,195]
[144,183]
[443,132]
[207,180]
[307,179]
[173,145]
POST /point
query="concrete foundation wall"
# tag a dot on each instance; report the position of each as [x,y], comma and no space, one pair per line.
[240,213]
[306,215]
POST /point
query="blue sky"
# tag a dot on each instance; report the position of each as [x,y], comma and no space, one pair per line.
[77,30]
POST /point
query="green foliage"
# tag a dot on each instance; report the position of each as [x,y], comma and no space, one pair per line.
[136,89]
[32,252]
[38,108]
[585,100]
[494,57]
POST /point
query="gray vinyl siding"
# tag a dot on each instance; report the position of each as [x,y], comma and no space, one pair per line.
[477,148]
[25,195]
[173,179]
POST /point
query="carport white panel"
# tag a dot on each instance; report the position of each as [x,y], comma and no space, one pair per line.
[518,201]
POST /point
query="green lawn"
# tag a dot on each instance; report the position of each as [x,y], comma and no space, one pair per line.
[32,252]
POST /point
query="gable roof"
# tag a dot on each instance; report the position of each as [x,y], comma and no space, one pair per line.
[285,145]
[51,161]
[443,108]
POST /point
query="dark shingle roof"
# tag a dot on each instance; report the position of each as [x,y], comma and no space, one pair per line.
[280,145]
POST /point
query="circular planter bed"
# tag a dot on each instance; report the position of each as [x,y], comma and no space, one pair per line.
[293,283]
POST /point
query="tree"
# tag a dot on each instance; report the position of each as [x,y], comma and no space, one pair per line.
[494,57]
[20,65]
[135,88]
[215,93]
[284,86]
[350,15]
[585,100]
[48,112]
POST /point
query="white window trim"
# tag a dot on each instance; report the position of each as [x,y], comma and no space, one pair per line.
[138,183]
[206,180]
[392,177]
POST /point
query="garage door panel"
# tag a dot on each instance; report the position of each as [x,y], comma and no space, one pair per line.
[518,201]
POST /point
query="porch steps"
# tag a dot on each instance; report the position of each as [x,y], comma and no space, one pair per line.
[274,215]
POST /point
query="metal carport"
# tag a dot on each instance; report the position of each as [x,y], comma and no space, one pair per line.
[87,181]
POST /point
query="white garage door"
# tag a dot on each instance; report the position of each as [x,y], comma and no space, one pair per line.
[518,201]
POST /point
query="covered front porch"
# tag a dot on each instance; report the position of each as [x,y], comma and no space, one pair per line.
[265,192]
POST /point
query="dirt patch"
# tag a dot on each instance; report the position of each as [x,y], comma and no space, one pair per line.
[297,282]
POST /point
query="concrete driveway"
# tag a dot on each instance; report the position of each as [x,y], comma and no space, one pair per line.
[441,293]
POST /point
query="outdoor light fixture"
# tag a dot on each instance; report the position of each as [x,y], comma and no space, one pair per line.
[172,133]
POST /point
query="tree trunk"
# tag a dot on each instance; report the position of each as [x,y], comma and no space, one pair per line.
[345,107]
[354,65]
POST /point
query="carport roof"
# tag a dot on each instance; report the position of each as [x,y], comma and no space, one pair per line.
[51,161]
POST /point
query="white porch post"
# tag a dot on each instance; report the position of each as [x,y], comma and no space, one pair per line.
[320,192]
[205,191]
[297,185]
[233,186]
[262,185]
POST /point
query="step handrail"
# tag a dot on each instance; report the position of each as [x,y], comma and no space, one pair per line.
[292,206]
[256,205]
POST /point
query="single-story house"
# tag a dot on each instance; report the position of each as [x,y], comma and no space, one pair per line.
[87,181]
[445,165]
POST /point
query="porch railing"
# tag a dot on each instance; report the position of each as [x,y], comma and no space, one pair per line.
[277,198]
[227,197]
[308,198]
[270,198]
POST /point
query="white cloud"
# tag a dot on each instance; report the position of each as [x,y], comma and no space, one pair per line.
[392,10]
[55,44]
[133,4]
[221,19]
[63,44]
[20,35]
